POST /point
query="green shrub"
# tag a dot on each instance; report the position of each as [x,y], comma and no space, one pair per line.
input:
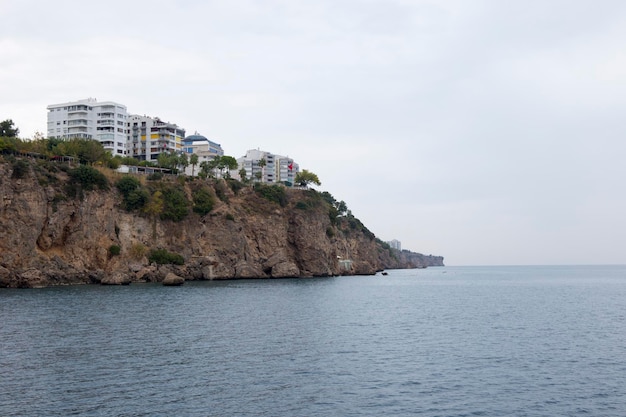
[135,197]
[175,204]
[332,214]
[20,168]
[137,251]
[88,178]
[220,191]
[114,250]
[230,217]
[162,256]
[235,185]
[202,202]
[127,184]
[330,232]
[275,193]
[156,176]
[56,200]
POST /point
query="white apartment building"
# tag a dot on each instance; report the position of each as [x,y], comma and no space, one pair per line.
[395,244]
[89,119]
[205,149]
[150,136]
[277,169]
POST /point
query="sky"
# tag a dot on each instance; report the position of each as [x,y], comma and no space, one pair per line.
[489,132]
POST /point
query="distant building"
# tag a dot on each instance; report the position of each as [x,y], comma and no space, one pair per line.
[89,119]
[203,147]
[150,136]
[197,143]
[277,168]
[395,244]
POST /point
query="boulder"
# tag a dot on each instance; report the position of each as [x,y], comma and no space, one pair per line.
[173,280]
[245,269]
[117,278]
[285,270]
[147,274]
[32,278]
[135,266]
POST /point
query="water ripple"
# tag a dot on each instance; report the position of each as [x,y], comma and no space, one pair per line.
[471,342]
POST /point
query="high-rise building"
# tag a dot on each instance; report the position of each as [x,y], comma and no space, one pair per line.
[148,137]
[395,244]
[277,168]
[89,119]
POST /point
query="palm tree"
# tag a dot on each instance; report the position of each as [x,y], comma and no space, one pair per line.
[262,163]
[242,175]
[194,161]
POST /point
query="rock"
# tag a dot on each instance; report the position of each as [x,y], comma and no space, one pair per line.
[96,276]
[32,278]
[172,280]
[244,269]
[135,266]
[117,278]
[5,277]
[285,270]
[207,272]
[147,274]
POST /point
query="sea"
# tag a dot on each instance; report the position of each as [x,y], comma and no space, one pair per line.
[442,341]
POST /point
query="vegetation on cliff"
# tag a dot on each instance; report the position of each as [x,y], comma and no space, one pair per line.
[64,222]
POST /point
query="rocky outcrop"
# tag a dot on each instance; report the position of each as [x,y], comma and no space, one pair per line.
[116,278]
[173,280]
[49,238]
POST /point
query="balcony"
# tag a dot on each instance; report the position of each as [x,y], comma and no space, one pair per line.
[81,111]
[77,122]
[77,116]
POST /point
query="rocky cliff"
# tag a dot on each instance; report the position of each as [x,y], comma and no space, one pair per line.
[56,228]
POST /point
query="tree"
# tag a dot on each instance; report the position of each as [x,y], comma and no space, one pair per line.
[304,178]
[183,161]
[193,160]
[163,160]
[242,175]
[8,130]
[205,169]
[87,151]
[262,163]
[341,207]
[229,163]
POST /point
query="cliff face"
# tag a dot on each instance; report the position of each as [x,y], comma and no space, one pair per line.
[50,238]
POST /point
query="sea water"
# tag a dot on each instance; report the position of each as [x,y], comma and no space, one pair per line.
[449,341]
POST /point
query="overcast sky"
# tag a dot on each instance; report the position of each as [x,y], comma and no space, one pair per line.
[488,132]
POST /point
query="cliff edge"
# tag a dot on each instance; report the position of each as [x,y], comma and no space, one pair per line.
[64,225]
